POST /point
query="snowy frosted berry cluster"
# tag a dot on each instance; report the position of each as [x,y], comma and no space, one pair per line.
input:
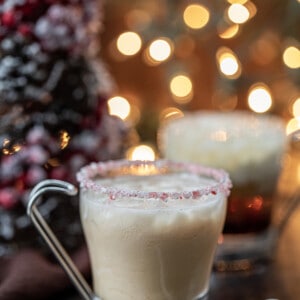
[58,24]
[53,116]
[37,39]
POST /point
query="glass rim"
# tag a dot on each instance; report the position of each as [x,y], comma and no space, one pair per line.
[85,177]
[271,121]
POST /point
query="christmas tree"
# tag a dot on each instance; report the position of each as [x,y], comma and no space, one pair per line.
[53,92]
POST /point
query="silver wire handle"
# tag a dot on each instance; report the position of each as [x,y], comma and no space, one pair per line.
[61,187]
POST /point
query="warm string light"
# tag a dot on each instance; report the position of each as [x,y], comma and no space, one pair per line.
[141,152]
[181,88]
[196,16]
[162,49]
[296,108]
[9,149]
[228,63]
[64,139]
[291,57]
[293,125]
[158,51]
[237,1]
[129,43]
[119,106]
[238,13]
[259,98]
[170,113]
[229,31]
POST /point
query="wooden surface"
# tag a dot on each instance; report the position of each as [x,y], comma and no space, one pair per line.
[280,280]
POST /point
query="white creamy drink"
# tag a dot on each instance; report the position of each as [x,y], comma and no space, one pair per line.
[152,237]
[248,146]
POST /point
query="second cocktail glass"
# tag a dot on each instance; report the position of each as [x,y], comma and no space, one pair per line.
[250,147]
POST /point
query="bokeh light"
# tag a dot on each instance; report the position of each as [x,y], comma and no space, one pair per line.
[135,115]
[196,16]
[141,152]
[129,43]
[9,149]
[291,57]
[228,32]
[64,139]
[170,113]
[293,125]
[237,1]
[238,13]
[296,108]
[119,106]
[182,88]
[251,8]
[228,63]
[160,49]
[259,98]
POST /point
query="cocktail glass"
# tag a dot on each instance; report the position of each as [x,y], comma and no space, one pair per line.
[151,227]
[250,148]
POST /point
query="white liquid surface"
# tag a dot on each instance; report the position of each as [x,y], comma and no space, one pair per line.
[157,183]
[161,252]
[248,146]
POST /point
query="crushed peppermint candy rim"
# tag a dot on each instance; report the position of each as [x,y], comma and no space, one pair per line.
[86,178]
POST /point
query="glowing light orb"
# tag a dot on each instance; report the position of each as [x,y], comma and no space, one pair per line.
[296,108]
[129,43]
[141,152]
[181,87]
[119,106]
[237,1]
[291,57]
[259,99]
[228,62]
[293,125]
[171,113]
[238,13]
[160,49]
[196,16]
[229,32]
